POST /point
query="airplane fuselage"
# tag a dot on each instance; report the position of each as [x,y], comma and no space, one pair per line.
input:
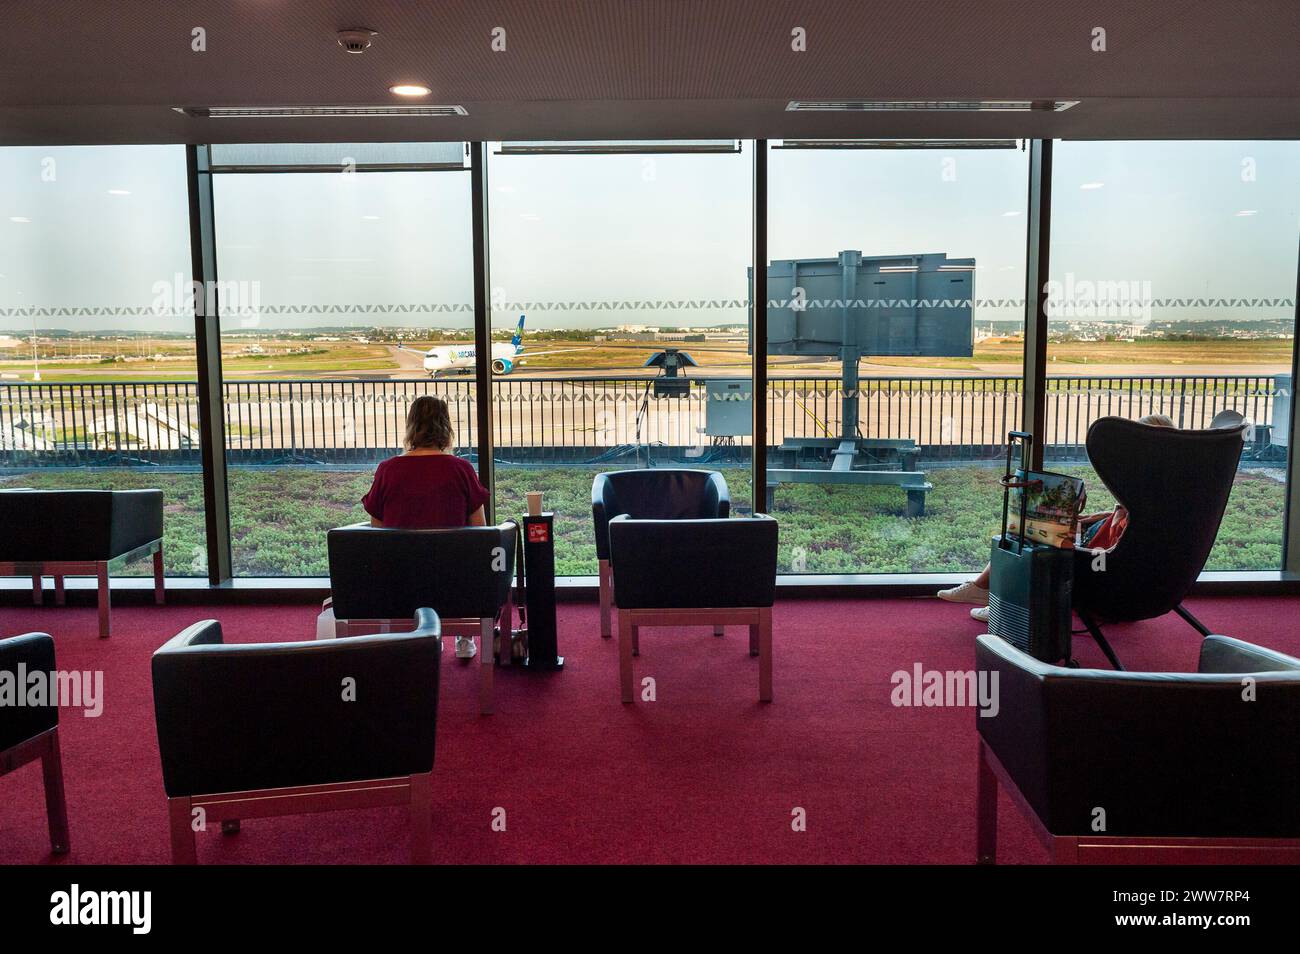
[455,358]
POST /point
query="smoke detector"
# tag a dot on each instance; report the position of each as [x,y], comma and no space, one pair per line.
[356,40]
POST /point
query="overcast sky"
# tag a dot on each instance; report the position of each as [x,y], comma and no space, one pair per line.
[106,227]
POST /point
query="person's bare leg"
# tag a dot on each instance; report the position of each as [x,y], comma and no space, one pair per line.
[982,581]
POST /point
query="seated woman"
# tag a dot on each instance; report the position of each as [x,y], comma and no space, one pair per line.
[428,487]
[1099,531]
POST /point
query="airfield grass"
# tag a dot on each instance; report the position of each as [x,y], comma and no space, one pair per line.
[279,517]
[620,357]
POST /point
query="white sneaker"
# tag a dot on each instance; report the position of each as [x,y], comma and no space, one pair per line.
[980,614]
[968,592]
[465,648]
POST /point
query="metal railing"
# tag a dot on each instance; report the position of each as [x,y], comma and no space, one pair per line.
[576,419]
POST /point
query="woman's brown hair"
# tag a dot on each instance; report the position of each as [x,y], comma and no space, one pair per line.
[428,424]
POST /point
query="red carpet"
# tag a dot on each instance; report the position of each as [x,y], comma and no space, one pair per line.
[704,774]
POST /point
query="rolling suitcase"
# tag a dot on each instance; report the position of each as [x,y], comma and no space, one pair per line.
[1029,584]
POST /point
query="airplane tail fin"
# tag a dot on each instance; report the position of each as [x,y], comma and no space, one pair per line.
[518,339]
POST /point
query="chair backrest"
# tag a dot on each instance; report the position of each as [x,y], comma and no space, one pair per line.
[1175,485]
[656,494]
[461,573]
[77,524]
[677,564]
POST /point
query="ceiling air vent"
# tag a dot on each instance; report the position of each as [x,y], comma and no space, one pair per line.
[289,112]
[938,106]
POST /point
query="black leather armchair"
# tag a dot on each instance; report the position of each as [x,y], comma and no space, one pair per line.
[655,494]
[1198,766]
[1175,486]
[77,532]
[681,572]
[31,732]
[249,730]
[380,576]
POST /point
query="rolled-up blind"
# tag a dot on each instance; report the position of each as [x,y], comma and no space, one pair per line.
[337,157]
[601,147]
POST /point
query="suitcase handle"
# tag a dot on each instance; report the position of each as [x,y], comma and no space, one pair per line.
[1026,440]
[1008,482]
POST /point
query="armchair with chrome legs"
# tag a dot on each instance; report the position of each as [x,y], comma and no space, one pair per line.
[79,533]
[253,730]
[690,572]
[651,494]
[31,732]
[1142,767]
[380,576]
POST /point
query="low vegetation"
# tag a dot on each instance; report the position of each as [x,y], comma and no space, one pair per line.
[279,518]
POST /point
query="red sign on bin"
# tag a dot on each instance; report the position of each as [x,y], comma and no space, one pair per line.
[539,533]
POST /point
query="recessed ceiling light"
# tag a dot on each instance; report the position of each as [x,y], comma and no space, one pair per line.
[409,89]
[1007,215]
[371,218]
[119,191]
[1247,212]
[19,218]
[1092,185]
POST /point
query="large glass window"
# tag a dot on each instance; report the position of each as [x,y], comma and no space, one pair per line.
[895,345]
[619,316]
[97,366]
[341,267]
[1173,269]
[620,299]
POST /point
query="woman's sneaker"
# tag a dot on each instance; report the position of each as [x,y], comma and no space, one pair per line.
[980,613]
[465,648]
[966,593]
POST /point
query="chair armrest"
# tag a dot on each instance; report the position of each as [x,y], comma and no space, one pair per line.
[600,515]
[718,489]
[34,652]
[1223,654]
[203,633]
[1187,754]
[137,519]
[1017,732]
[245,716]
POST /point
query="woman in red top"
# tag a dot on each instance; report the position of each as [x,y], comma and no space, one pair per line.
[1098,531]
[428,487]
